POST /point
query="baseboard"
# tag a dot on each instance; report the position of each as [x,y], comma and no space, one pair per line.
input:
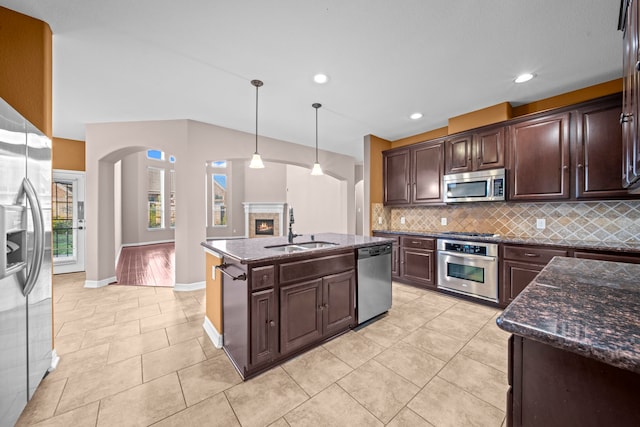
[55,359]
[93,284]
[212,333]
[155,242]
[186,287]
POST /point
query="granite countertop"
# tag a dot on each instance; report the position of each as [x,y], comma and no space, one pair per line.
[253,250]
[588,307]
[539,241]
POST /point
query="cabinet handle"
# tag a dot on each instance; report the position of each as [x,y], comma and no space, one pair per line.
[272,323]
[579,165]
[638,66]
[321,307]
[565,167]
[530,255]
[625,117]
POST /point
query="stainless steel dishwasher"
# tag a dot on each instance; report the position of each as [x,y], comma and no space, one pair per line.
[374,281]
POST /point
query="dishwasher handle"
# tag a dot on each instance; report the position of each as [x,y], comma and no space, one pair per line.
[372,251]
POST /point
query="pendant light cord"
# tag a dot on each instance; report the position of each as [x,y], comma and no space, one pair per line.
[316,135]
[257,118]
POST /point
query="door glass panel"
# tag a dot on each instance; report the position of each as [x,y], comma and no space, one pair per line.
[62,219]
[465,272]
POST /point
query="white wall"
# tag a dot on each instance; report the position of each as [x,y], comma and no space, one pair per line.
[318,202]
[117,206]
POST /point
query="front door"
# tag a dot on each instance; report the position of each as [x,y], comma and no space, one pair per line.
[68,221]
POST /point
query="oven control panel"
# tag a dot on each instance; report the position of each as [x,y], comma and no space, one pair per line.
[466,248]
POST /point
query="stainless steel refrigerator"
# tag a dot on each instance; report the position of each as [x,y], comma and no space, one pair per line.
[25,265]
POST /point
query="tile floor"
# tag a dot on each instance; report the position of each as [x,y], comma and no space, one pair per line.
[137,355]
[147,265]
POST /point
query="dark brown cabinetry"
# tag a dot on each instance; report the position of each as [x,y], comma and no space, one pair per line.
[520,265]
[553,387]
[539,161]
[608,256]
[480,150]
[418,261]
[395,258]
[414,175]
[264,326]
[631,84]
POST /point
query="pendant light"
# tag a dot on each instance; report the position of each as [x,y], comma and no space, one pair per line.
[256,161]
[317,170]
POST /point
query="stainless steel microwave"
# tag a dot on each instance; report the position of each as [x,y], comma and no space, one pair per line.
[480,186]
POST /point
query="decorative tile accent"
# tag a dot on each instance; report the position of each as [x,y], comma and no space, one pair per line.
[610,221]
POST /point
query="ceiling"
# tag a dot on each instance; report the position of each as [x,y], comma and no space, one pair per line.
[122,60]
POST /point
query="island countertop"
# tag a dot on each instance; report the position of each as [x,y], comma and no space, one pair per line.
[254,250]
[588,307]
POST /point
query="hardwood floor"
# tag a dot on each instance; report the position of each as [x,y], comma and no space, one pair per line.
[148,265]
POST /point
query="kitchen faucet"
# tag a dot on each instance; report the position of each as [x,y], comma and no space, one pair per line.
[291,221]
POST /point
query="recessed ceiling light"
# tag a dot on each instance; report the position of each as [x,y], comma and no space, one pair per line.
[321,78]
[415,116]
[524,78]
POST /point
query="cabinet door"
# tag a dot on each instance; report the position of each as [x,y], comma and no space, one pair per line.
[515,277]
[427,167]
[628,258]
[264,326]
[539,158]
[339,302]
[395,261]
[300,314]
[631,83]
[458,157]
[418,266]
[396,177]
[488,149]
[599,151]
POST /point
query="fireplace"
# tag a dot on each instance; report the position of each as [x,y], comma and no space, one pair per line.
[264,227]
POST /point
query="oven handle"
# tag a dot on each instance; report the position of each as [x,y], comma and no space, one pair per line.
[472,256]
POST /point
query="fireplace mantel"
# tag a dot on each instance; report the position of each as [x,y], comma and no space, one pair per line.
[271,210]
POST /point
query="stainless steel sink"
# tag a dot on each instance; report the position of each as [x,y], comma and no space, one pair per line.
[298,247]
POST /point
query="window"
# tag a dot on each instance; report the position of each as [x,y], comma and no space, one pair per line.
[62,209]
[172,197]
[155,155]
[219,185]
[155,185]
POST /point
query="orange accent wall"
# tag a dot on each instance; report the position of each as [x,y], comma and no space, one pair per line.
[494,114]
[425,136]
[25,67]
[213,304]
[68,154]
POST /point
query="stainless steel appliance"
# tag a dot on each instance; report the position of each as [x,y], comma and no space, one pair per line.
[469,268]
[480,186]
[25,265]
[374,281]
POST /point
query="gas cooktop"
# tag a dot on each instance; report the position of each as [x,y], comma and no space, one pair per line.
[469,233]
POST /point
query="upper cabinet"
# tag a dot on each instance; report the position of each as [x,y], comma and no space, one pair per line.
[414,175]
[631,84]
[474,151]
[539,163]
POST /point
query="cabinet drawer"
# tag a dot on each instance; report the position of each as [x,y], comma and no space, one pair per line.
[316,267]
[396,238]
[533,255]
[418,243]
[262,277]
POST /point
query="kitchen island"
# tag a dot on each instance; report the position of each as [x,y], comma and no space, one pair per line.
[574,356]
[279,299]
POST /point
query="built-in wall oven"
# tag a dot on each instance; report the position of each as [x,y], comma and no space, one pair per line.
[469,268]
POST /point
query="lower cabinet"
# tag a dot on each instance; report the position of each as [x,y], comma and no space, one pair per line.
[264,327]
[395,252]
[418,261]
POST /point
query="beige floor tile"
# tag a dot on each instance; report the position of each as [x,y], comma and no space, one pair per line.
[407,418]
[455,326]
[117,305]
[411,363]
[84,416]
[400,297]
[161,362]
[155,299]
[68,343]
[68,305]
[475,312]
[207,378]
[214,411]
[353,349]
[137,345]
[209,349]
[380,390]
[316,369]
[280,422]
[411,318]
[43,403]
[144,404]
[185,331]
[443,404]
[97,384]
[111,333]
[491,332]
[262,400]
[137,313]
[75,314]
[86,359]
[383,332]
[331,407]
[433,299]
[162,321]
[86,324]
[482,381]
[408,288]
[477,308]
[487,352]
[441,346]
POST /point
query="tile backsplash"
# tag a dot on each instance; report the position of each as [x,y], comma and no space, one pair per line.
[610,221]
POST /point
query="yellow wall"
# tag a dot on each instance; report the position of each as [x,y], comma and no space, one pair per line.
[213,308]
[25,67]
[68,154]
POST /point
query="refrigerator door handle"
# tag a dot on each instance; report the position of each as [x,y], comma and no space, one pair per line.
[38,224]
